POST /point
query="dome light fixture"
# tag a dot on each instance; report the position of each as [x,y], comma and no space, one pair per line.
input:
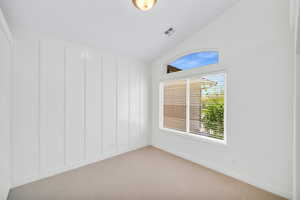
[144,5]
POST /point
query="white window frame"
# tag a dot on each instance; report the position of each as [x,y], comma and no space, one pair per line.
[187,75]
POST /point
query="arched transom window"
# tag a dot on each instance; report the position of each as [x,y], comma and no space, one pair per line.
[193,60]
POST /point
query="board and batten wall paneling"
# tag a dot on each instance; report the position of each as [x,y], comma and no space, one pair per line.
[145,103]
[72,106]
[93,105]
[123,104]
[134,112]
[75,122]
[25,121]
[51,106]
[109,104]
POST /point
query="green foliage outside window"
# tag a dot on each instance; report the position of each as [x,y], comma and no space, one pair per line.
[213,116]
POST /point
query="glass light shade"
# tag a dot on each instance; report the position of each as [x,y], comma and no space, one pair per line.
[144,5]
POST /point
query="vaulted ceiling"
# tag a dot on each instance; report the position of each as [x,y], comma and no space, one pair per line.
[115,25]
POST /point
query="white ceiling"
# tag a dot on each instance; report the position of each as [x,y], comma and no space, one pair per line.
[115,25]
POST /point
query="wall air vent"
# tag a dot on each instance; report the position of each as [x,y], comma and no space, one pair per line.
[170,31]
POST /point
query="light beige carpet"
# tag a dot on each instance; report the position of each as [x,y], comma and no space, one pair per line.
[145,174]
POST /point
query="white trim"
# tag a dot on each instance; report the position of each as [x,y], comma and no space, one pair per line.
[65,105]
[128,68]
[11,114]
[101,58]
[117,104]
[194,136]
[187,107]
[85,63]
[39,78]
[270,187]
[130,143]
[161,105]
[140,106]
[187,133]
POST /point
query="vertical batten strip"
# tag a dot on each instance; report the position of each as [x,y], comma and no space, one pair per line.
[11,113]
[101,120]
[99,65]
[65,116]
[85,57]
[128,109]
[117,103]
[129,105]
[39,108]
[140,105]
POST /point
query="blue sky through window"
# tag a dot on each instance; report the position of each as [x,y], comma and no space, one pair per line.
[195,60]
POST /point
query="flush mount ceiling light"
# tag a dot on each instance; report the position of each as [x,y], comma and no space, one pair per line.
[144,5]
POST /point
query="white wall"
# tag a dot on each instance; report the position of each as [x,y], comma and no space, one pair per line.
[5,84]
[297,133]
[294,16]
[72,106]
[255,42]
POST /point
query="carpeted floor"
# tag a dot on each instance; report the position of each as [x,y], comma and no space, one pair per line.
[144,174]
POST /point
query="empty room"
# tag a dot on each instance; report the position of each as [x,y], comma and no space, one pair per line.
[149,100]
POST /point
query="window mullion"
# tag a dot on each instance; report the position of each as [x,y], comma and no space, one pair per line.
[161,104]
[188,105]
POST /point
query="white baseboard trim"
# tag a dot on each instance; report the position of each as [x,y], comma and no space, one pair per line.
[242,177]
[73,166]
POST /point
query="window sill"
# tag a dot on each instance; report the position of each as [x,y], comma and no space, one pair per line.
[196,137]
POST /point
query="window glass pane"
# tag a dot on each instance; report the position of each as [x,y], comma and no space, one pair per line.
[193,60]
[175,105]
[207,106]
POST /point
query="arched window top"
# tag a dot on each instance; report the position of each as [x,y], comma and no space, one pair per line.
[193,60]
